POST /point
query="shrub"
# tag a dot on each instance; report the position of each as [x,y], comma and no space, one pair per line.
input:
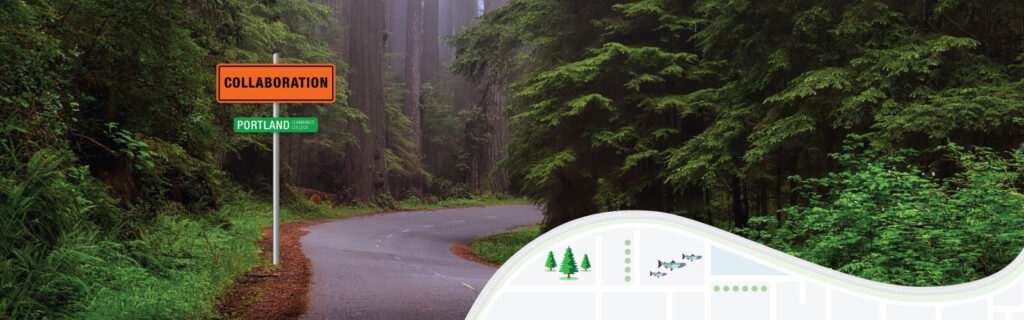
[385,201]
[885,219]
[51,212]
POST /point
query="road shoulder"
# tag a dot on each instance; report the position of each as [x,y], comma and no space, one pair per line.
[465,251]
[268,292]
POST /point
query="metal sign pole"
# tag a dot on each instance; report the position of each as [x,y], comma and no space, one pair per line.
[277,186]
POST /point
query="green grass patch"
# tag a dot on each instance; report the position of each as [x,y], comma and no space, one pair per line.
[180,265]
[417,204]
[498,248]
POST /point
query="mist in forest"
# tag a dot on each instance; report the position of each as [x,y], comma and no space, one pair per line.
[430,134]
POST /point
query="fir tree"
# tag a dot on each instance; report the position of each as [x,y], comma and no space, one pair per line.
[586,263]
[550,264]
[568,264]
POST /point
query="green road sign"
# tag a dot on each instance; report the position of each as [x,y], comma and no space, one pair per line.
[275,125]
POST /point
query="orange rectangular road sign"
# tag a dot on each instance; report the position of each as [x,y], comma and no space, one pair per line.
[268,83]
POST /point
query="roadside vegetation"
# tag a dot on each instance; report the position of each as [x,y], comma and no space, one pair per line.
[885,218]
[175,265]
[498,248]
[414,203]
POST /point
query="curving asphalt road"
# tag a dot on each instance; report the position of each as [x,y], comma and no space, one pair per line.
[399,266]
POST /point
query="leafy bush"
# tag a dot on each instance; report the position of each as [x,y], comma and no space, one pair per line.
[885,219]
[180,177]
[385,201]
[446,189]
[413,201]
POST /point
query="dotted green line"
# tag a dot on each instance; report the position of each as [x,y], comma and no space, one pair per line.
[737,288]
[628,261]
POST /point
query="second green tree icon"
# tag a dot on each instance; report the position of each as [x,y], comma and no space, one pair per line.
[568,264]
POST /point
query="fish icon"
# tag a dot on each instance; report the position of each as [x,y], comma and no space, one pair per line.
[691,257]
[672,265]
[658,274]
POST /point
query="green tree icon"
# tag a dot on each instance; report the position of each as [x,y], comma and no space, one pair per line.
[568,264]
[550,264]
[586,262]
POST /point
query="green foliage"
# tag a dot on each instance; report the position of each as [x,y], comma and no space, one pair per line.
[180,265]
[52,214]
[137,151]
[385,201]
[499,248]
[446,189]
[704,108]
[179,177]
[600,105]
[885,219]
[110,78]
[63,253]
[402,161]
[586,263]
[698,107]
[414,203]
[568,267]
[115,101]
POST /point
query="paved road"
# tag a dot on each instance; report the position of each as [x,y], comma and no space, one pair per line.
[399,266]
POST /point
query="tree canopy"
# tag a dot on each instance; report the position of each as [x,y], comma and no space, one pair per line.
[705,108]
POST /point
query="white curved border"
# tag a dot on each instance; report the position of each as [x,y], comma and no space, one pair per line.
[791,263]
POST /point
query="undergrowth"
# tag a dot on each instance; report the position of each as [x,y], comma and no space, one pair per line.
[499,248]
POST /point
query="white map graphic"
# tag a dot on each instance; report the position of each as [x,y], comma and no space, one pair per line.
[734,278]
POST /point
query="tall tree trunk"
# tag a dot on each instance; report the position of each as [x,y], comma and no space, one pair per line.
[462,13]
[430,60]
[365,167]
[388,32]
[411,105]
[445,30]
[398,22]
[494,98]
[413,53]
[493,151]
[465,95]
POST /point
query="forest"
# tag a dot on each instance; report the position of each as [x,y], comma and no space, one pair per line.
[879,138]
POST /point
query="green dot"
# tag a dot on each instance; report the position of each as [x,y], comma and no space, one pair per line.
[627,251]
[628,278]
[735,288]
[628,261]
[627,242]
[764,288]
[745,288]
[717,288]
[627,269]
[754,288]
[726,288]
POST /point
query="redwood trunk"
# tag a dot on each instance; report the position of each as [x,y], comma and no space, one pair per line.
[413,53]
[430,60]
[494,98]
[365,168]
